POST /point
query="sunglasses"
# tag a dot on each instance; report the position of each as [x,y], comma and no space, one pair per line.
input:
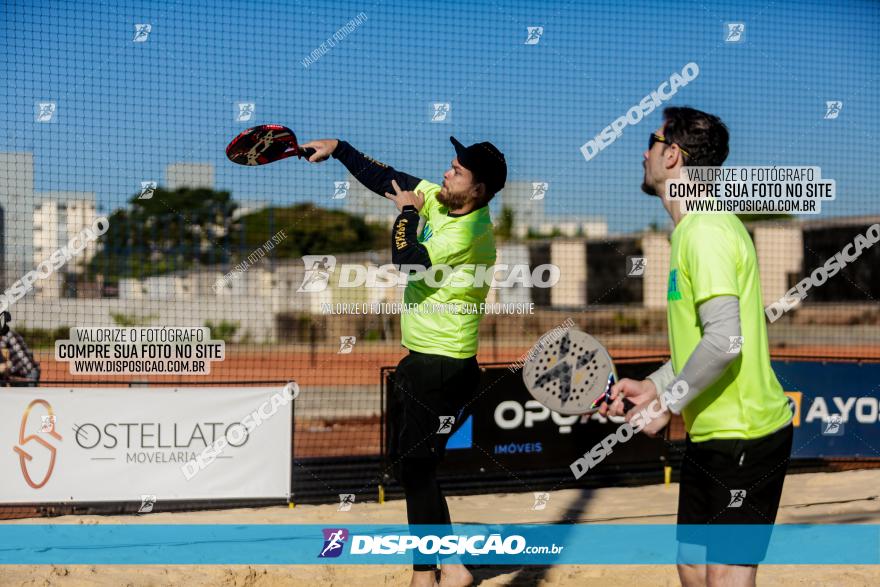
[655,138]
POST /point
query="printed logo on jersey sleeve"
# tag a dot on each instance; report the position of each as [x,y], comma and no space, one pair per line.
[672,292]
[427,233]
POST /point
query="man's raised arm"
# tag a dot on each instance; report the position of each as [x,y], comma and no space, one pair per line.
[375,176]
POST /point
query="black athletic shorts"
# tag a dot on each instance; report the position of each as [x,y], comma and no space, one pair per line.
[427,391]
[732,482]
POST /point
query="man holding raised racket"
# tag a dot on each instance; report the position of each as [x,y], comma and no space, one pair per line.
[737,417]
[437,380]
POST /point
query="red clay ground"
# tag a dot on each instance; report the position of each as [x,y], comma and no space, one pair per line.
[326,367]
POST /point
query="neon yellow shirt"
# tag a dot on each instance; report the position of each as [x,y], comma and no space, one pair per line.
[461,242]
[713,255]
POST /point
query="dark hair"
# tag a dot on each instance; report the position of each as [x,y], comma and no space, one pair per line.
[702,135]
[487,195]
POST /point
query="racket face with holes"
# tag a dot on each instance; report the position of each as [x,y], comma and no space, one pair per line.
[264,144]
[570,374]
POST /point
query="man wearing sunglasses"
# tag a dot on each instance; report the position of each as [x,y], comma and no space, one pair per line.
[736,415]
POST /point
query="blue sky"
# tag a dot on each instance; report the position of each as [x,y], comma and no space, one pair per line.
[126,110]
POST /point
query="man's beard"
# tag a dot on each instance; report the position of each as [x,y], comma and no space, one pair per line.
[452,200]
[646,187]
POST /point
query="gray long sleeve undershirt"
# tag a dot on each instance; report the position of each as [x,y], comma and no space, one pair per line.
[720,319]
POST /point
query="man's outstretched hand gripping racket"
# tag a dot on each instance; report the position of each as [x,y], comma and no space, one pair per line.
[570,374]
[264,144]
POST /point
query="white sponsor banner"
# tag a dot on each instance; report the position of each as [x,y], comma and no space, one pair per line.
[119,444]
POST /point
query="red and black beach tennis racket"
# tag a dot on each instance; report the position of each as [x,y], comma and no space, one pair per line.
[264,144]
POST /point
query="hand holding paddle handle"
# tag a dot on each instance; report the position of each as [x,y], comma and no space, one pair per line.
[627,404]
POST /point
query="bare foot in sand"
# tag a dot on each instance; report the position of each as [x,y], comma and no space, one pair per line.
[423,579]
[455,576]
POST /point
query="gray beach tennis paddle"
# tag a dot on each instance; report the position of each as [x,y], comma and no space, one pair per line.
[570,372]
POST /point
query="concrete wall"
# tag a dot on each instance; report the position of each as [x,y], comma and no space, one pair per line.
[513,254]
[571,258]
[655,247]
[780,252]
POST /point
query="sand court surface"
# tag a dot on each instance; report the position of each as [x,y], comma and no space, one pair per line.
[849,497]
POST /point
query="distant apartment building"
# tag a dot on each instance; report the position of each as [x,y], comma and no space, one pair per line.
[54,224]
[16,202]
[19,219]
[189,175]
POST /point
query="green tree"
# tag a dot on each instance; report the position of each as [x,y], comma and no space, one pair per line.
[187,228]
[224,330]
[504,229]
[173,230]
[309,229]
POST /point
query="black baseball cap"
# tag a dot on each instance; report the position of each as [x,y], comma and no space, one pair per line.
[485,161]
